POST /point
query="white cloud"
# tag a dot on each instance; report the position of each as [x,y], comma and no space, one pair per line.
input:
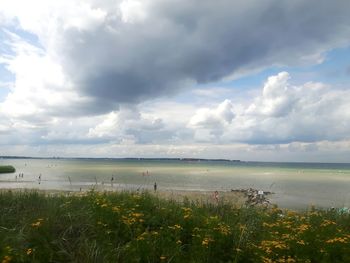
[326,151]
[208,124]
[107,127]
[277,97]
[41,90]
[283,113]
[209,118]
[128,124]
[93,72]
[6,85]
[133,11]
[315,114]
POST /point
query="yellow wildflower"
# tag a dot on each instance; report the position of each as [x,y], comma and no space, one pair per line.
[291,213]
[36,224]
[303,228]
[186,209]
[337,239]
[140,238]
[206,241]
[286,236]
[313,213]
[327,223]
[286,260]
[267,225]
[223,229]
[6,259]
[301,242]
[268,244]
[266,260]
[116,208]
[242,227]
[128,221]
[137,215]
[187,216]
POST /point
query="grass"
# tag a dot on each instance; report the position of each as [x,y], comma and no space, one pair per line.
[7,169]
[139,227]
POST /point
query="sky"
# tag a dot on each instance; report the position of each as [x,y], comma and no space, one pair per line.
[251,80]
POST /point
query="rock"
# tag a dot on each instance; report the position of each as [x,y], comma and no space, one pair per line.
[254,196]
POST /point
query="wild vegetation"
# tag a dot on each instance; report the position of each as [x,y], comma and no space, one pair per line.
[7,169]
[140,227]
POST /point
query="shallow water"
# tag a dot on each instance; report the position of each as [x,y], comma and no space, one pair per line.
[296,185]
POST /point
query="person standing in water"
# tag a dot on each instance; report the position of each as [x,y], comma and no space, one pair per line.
[216,196]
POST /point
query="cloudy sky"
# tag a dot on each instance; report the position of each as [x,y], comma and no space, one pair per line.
[250,80]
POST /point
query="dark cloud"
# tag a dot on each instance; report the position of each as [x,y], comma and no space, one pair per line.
[184,42]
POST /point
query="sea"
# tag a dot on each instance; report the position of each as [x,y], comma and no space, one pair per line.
[294,185]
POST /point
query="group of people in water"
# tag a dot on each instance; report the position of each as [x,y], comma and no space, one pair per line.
[20,175]
[112,181]
[155,186]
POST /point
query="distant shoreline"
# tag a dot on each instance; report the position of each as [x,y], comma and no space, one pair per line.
[126,159]
[185,159]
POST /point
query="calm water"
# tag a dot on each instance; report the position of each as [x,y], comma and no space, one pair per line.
[296,185]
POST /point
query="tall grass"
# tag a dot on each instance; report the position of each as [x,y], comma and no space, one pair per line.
[139,227]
